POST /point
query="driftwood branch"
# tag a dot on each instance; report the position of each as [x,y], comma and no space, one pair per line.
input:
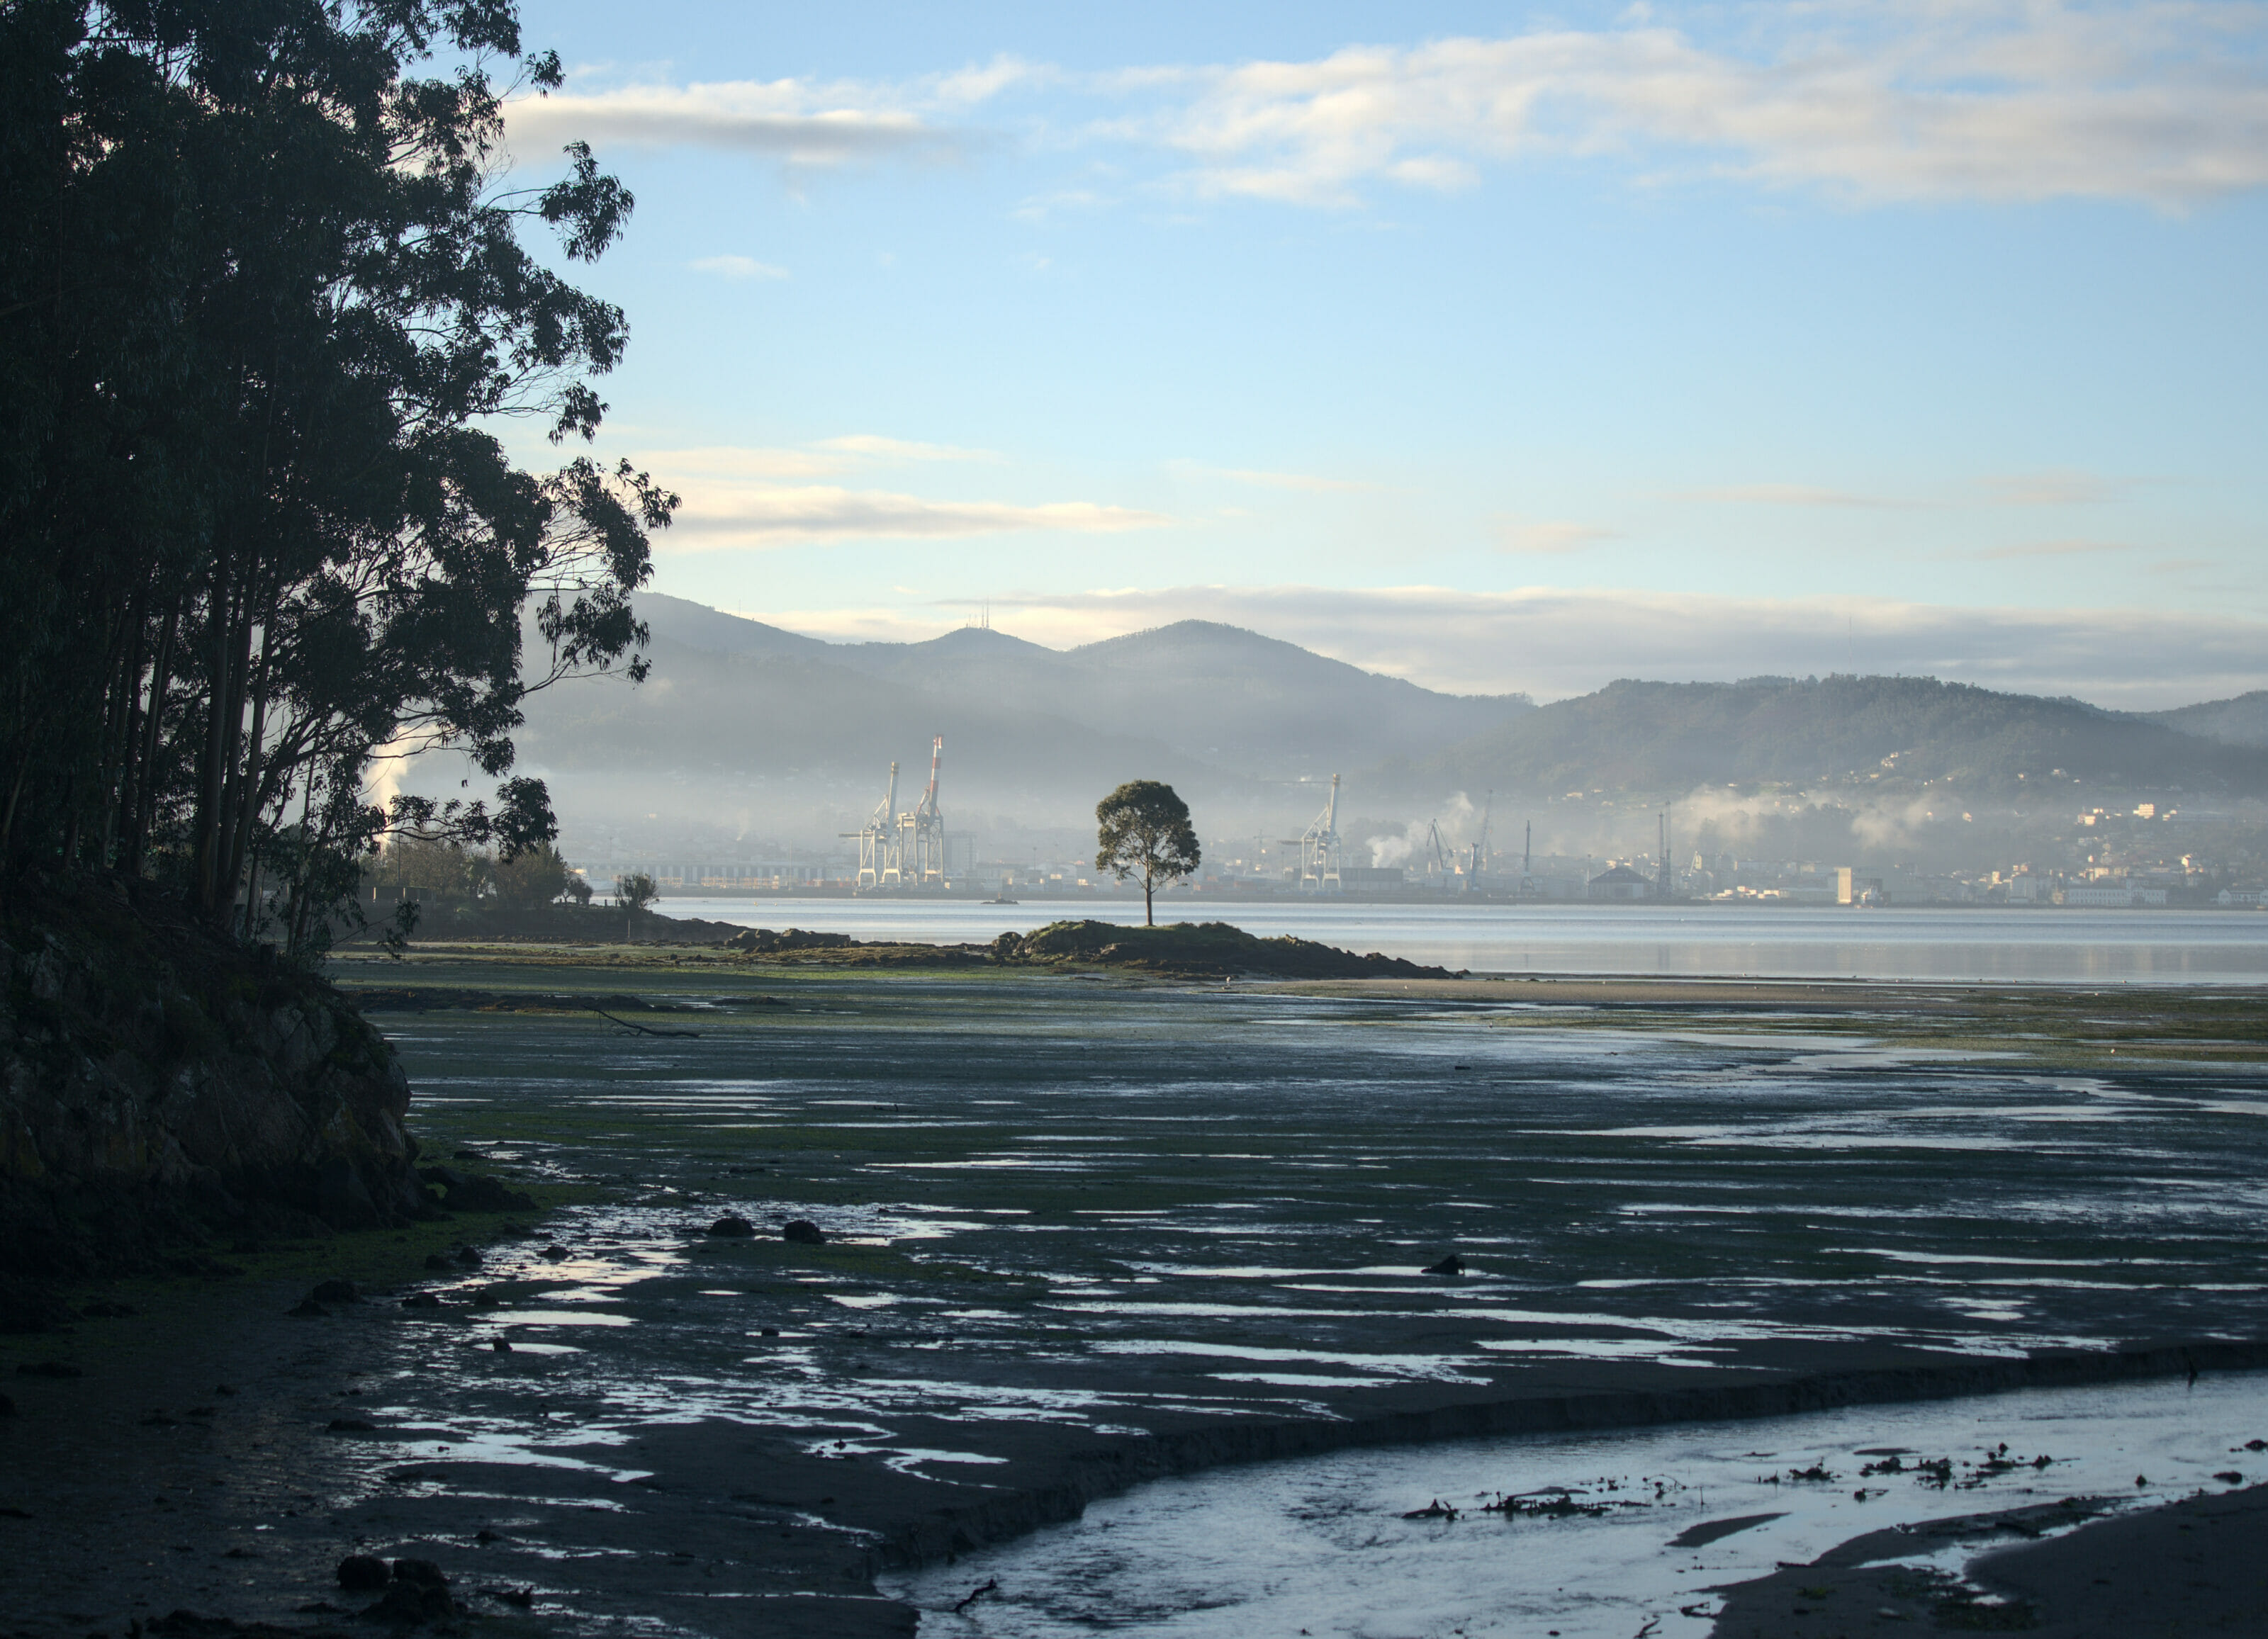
[643,1030]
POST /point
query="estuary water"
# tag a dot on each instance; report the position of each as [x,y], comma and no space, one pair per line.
[1982,943]
[1653,1522]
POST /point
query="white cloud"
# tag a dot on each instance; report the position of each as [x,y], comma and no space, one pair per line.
[1533,537]
[793,121]
[2163,102]
[755,515]
[1555,642]
[736,267]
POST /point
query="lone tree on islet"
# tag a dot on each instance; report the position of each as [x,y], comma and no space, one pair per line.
[1145,833]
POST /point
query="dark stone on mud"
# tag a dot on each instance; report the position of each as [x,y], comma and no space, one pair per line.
[521,1597]
[419,1573]
[350,1425]
[307,1309]
[435,1261]
[804,1232]
[555,1251]
[1451,1265]
[422,1300]
[731,1224]
[363,1573]
[483,1193]
[500,1346]
[47,1369]
[467,1257]
[335,1291]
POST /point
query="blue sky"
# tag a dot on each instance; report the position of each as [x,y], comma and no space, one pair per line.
[1494,347]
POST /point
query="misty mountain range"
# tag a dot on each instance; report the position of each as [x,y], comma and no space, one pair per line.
[743,719]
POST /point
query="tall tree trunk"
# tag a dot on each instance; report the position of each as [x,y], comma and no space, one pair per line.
[247,784]
[144,812]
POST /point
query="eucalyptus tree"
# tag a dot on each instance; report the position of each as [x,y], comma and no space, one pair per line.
[1145,832]
[266,306]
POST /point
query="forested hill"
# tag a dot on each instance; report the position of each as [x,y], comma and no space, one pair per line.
[2242,721]
[1670,737]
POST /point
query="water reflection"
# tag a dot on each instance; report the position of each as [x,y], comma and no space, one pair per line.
[1811,942]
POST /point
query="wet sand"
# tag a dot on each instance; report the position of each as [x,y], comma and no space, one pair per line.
[1085,1232]
[2192,1567]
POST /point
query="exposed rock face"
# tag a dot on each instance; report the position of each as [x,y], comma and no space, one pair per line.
[152,1070]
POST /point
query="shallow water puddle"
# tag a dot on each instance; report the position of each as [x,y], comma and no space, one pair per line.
[1609,1530]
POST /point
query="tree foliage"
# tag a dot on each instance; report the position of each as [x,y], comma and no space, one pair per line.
[264,302]
[1145,833]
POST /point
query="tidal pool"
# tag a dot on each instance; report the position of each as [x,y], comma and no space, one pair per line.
[1652,1522]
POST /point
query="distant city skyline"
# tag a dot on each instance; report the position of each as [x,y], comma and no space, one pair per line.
[1496,349]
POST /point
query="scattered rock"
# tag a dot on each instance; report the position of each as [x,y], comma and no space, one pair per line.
[335,1291]
[556,1252]
[804,1232]
[418,1593]
[435,1261]
[307,1309]
[1451,1265]
[350,1425]
[467,1257]
[363,1573]
[731,1224]
[47,1369]
[223,1390]
[500,1346]
[422,1300]
[521,1597]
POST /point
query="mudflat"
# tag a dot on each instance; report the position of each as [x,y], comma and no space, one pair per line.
[2195,1567]
[1082,1230]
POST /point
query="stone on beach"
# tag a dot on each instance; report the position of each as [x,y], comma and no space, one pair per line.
[803,1232]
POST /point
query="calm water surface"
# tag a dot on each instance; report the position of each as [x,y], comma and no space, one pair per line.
[1812,942]
[1321,1546]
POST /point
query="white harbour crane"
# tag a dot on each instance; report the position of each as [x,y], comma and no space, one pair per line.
[1320,852]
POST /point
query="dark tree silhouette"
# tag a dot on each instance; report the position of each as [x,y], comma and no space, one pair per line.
[262,292]
[1145,833]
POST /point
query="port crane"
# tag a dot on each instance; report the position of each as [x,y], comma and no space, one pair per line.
[921,851]
[1320,852]
[878,841]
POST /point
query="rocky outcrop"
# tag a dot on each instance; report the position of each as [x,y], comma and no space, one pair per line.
[1207,950]
[156,1077]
